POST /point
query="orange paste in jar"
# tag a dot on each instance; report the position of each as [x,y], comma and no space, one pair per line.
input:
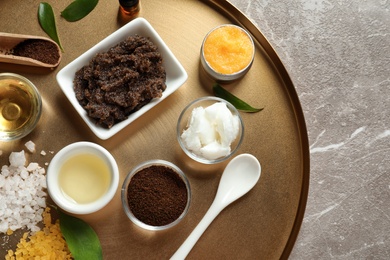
[228,49]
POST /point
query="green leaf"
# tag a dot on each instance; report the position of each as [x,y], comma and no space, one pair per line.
[47,21]
[81,239]
[78,9]
[235,101]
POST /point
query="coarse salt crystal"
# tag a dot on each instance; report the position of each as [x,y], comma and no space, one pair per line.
[22,198]
[3,226]
[24,174]
[17,159]
[30,146]
[32,166]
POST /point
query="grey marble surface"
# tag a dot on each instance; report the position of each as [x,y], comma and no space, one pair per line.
[337,53]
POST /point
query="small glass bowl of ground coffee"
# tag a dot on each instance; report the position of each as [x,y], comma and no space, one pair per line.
[156,195]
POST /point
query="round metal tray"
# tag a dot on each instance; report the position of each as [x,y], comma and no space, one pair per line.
[261,225]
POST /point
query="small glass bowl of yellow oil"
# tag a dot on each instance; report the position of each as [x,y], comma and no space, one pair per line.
[20,106]
[82,178]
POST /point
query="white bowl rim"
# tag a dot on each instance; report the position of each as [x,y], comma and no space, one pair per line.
[52,177]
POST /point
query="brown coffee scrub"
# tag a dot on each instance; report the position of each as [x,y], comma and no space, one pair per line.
[157,195]
[40,50]
[120,81]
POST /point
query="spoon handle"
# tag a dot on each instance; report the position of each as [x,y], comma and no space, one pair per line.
[191,240]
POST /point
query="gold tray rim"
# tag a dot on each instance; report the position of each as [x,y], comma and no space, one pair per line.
[226,8]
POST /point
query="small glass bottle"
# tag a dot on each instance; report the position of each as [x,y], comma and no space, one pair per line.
[129,8]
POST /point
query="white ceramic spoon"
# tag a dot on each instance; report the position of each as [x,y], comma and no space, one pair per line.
[239,177]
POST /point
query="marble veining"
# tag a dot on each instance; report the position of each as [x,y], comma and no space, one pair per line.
[337,53]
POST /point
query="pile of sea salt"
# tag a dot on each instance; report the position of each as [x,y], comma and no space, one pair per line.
[22,195]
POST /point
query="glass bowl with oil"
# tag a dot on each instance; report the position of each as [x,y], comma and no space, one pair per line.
[20,106]
[82,178]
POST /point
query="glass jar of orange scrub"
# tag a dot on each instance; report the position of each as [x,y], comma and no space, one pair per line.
[227,52]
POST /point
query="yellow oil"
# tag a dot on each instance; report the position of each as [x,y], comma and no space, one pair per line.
[84,178]
[17,105]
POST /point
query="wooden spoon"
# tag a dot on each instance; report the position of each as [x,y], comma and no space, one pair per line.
[9,40]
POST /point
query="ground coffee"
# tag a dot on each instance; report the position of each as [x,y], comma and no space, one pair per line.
[41,50]
[157,195]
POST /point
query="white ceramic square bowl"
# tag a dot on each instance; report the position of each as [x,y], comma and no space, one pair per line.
[175,73]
